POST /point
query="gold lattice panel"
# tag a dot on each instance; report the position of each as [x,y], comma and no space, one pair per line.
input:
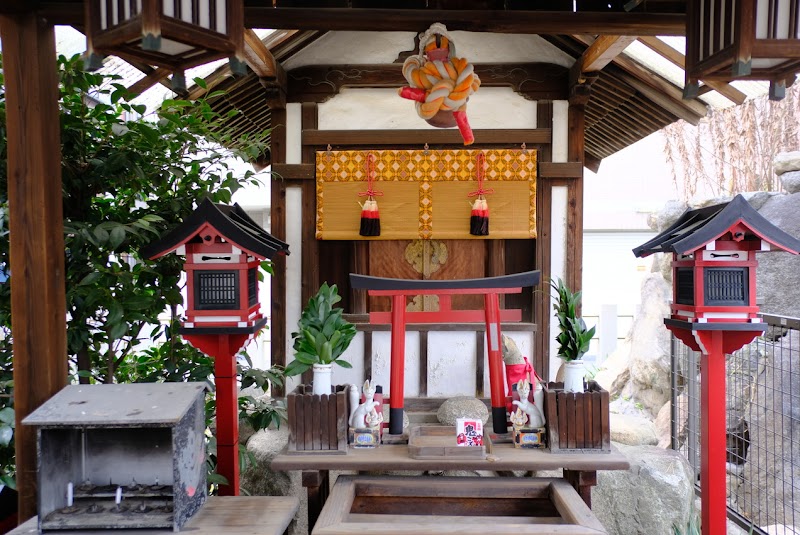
[426,193]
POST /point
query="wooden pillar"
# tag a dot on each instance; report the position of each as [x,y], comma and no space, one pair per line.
[577,124]
[278,229]
[541,300]
[38,301]
[310,278]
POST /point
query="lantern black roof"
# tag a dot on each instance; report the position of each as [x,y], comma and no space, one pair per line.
[231,221]
[698,227]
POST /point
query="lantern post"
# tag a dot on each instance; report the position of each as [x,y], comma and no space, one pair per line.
[714,311]
[223,247]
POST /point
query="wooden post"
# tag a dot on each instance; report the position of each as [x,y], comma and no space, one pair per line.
[278,229]
[712,432]
[397,375]
[227,415]
[38,300]
[223,349]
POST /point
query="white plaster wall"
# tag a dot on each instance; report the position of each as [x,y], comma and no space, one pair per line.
[353,355]
[560,148]
[376,109]
[294,263]
[384,47]
[381,362]
[451,363]
[294,133]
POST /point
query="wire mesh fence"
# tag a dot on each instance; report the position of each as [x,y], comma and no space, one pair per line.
[763,425]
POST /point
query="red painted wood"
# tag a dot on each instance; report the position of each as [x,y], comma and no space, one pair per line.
[445,316]
[494,349]
[397,376]
[447,291]
[712,432]
[223,348]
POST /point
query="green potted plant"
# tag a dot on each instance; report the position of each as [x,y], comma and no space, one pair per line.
[322,337]
[573,337]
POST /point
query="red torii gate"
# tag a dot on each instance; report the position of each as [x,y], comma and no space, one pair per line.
[490,287]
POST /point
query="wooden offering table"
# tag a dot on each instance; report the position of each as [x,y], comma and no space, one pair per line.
[232,515]
[580,470]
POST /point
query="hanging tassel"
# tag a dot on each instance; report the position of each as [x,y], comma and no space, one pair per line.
[479,216]
[370,217]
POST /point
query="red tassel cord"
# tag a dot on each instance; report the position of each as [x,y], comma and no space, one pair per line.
[370,216]
[479,217]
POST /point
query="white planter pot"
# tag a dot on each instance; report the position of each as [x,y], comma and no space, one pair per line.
[322,379]
[573,376]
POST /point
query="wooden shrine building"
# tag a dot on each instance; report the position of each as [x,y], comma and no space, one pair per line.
[556,95]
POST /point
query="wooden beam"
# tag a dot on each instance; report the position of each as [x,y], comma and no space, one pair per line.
[263,64]
[602,51]
[36,224]
[258,56]
[676,58]
[148,70]
[534,81]
[289,171]
[560,170]
[143,84]
[419,137]
[496,21]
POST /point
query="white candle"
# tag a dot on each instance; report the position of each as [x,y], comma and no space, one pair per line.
[119,495]
[69,494]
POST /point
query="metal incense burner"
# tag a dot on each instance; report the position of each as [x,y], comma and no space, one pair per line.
[121,456]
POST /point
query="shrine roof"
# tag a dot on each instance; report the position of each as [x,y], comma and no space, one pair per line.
[229,220]
[698,227]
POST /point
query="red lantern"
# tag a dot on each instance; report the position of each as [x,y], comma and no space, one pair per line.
[223,247]
[714,311]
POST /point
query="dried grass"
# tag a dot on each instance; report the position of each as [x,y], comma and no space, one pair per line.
[731,150]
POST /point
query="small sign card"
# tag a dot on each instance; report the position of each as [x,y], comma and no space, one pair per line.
[469,432]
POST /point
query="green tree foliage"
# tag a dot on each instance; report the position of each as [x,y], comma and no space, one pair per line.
[127,175]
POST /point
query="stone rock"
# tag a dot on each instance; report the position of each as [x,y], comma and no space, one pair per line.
[632,430]
[639,369]
[757,199]
[650,346]
[786,161]
[773,420]
[655,494]
[667,216]
[260,480]
[791,181]
[625,405]
[615,371]
[779,272]
[462,407]
[663,425]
